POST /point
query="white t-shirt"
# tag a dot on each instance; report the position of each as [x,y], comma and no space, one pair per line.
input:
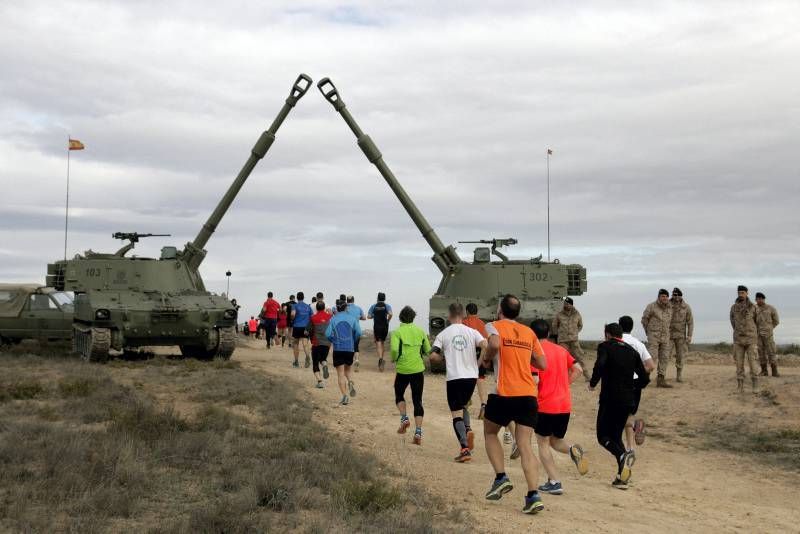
[640,347]
[458,344]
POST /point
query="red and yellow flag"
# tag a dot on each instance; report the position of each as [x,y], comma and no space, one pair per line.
[74,144]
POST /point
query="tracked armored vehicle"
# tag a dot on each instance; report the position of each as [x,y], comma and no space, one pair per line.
[540,285]
[125,301]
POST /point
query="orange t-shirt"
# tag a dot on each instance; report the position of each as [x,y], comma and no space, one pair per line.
[518,344]
[252,324]
[473,321]
[554,395]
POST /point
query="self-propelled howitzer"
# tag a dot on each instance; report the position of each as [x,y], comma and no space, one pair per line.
[126,301]
[540,285]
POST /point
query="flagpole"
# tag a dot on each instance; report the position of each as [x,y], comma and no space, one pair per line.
[548,204]
[66,211]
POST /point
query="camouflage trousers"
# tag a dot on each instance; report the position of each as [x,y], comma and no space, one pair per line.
[742,351]
[679,347]
[574,348]
[766,349]
[660,352]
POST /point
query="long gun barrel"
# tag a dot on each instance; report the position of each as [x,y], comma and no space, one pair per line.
[445,258]
[194,253]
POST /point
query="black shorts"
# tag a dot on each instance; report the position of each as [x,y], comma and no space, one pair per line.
[342,358]
[319,352]
[552,424]
[459,392]
[299,332]
[637,398]
[502,410]
[381,332]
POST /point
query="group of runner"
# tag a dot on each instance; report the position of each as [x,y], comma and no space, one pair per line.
[530,393]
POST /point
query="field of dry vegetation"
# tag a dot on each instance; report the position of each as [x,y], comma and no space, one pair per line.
[173,445]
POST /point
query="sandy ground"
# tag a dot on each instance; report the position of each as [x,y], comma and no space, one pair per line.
[676,486]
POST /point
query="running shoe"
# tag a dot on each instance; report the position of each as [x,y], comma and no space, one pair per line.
[325,373]
[295,364]
[499,488]
[470,440]
[631,458]
[639,432]
[381,365]
[418,437]
[514,452]
[619,484]
[576,454]
[345,401]
[507,438]
[464,456]
[533,504]
[626,461]
[482,412]
[355,366]
[308,361]
[404,424]
[352,386]
[320,385]
[551,488]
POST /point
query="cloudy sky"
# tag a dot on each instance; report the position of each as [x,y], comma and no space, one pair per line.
[675,128]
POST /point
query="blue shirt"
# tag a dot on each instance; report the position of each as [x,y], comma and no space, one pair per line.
[302,315]
[355,311]
[343,331]
[372,308]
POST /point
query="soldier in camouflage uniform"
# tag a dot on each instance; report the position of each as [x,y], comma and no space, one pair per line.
[766,319]
[566,326]
[656,320]
[680,330]
[745,338]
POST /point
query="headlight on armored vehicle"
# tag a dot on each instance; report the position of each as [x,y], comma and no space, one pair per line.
[102,314]
[230,314]
[437,323]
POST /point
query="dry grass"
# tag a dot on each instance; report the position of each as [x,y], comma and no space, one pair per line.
[88,448]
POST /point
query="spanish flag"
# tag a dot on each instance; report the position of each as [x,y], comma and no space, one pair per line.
[74,144]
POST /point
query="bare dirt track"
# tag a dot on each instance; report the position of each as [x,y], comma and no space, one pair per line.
[685,478]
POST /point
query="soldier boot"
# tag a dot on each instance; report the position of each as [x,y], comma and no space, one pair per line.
[755,384]
[764,370]
[678,377]
[740,385]
[661,382]
[775,370]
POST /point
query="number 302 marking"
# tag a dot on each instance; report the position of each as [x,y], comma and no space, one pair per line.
[539,277]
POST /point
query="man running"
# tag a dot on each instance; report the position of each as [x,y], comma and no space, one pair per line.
[634,428]
[343,332]
[301,317]
[320,345]
[515,347]
[252,326]
[356,311]
[381,314]
[287,307]
[473,321]
[616,364]
[555,406]
[283,322]
[457,345]
[409,343]
[270,314]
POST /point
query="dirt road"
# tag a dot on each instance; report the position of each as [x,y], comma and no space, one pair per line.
[676,487]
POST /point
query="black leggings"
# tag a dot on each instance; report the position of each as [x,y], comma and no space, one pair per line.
[417,381]
[611,420]
[319,353]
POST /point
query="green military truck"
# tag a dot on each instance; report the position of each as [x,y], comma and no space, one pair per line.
[33,311]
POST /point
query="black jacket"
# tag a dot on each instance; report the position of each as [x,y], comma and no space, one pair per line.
[616,362]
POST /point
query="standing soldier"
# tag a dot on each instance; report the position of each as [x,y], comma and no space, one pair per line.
[657,320]
[567,325]
[745,337]
[767,320]
[680,330]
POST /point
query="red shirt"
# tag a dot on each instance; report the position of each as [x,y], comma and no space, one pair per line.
[282,322]
[319,318]
[554,394]
[270,309]
[473,321]
[252,324]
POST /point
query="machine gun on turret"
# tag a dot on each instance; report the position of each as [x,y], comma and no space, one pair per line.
[496,243]
[133,237]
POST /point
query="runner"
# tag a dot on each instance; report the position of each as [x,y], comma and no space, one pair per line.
[634,428]
[287,307]
[473,321]
[343,332]
[381,314]
[301,317]
[320,345]
[457,345]
[555,405]
[252,326]
[515,347]
[270,314]
[409,344]
[282,326]
[615,366]
[356,311]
